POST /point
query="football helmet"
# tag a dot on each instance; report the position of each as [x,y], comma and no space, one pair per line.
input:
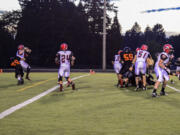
[119,52]
[126,49]
[168,48]
[20,47]
[144,47]
[137,49]
[63,46]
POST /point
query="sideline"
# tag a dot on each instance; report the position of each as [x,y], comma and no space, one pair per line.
[25,103]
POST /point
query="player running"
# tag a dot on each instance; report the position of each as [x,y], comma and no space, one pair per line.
[117,65]
[140,61]
[22,54]
[161,69]
[126,71]
[65,58]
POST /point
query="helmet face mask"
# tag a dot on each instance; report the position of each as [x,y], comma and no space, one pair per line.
[21,47]
[168,48]
[127,49]
[63,46]
[144,47]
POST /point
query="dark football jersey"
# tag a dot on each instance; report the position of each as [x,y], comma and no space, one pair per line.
[127,58]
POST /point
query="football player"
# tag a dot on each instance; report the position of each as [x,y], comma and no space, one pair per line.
[141,65]
[22,54]
[161,69]
[18,70]
[65,58]
[177,63]
[126,70]
[117,65]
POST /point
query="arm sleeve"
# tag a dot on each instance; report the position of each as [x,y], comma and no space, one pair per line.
[19,56]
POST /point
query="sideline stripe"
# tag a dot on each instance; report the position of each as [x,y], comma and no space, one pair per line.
[21,105]
[173,88]
[36,84]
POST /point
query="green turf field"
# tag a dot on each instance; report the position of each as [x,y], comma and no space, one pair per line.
[97,107]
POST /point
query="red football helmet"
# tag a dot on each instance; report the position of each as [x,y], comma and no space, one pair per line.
[144,47]
[63,46]
[21,47]
[119,52]
[167,48]
[137,49]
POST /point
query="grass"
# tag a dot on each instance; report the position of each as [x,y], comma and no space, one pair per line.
[96,108]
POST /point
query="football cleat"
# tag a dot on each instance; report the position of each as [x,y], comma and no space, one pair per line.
[163,93]
[137,88]
[73,86]
[154,94]
[144,88]
[28,78]
[61,88]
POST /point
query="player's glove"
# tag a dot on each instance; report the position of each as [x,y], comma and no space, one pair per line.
[167,70]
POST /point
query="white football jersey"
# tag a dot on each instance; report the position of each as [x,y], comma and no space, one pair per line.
[117,59]
[20,56]
[65,57]
[142,56]
[160,55]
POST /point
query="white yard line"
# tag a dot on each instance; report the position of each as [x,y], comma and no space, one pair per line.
[21,105]
[173,88]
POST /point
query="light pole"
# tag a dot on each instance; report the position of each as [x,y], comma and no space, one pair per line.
[104,38]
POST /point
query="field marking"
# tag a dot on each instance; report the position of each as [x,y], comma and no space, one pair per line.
[29,101]
[36,84]
[177,90]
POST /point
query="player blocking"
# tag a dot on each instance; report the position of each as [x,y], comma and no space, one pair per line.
[140,61]
[161,69]
[65,59]
[20,64]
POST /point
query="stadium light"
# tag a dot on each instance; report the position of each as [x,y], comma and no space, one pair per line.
[104,38]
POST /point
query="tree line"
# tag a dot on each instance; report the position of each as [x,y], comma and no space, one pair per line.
[43,25]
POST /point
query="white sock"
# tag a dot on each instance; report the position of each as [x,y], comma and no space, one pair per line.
[19,78]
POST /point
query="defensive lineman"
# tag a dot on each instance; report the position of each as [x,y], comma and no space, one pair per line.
[161,70]
[126,71]
[65,58]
